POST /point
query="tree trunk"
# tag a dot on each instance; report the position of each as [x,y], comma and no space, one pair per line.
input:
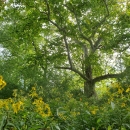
[89,85]
[89,89]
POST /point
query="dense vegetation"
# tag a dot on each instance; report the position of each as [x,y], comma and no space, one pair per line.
[65,65]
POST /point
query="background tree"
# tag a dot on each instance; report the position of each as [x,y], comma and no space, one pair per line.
[85,37]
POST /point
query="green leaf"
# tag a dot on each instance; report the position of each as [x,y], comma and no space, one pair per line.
[109,128]
[2,123]
[57,127]
[99,120]
[88,112]
[113,105]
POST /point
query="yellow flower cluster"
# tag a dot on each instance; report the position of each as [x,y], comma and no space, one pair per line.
[15,92]
[42,108]
[128,90]
[18,102]
[120,90]
[4,104]
[33,92]
[9,104]
[17,106]
[94,111]
[123,105]
[2,83]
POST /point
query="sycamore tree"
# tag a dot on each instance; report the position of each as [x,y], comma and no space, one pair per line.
[90,38]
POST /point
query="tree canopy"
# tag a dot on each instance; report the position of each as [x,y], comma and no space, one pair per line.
[48,39]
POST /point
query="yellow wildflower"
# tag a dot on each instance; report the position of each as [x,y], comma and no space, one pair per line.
[10,100]
[93,112]
[38,102]
[33,94]
[2,83]
[120,91]
[33,89]
[6,104]
[42,108]
[17,106]
[128,89]
[123,105]
[1,78]
[1,103]
[47,110]
[15,92]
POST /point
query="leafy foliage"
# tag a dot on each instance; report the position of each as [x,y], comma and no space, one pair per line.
[41,37]
[22,112]
[50,50]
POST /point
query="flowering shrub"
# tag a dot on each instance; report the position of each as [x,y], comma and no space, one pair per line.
[111,111]
[30,112]
[23,112]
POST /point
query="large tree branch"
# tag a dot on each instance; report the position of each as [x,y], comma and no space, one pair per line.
[68,51]
[74,70]
[103,77]
[63,32]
